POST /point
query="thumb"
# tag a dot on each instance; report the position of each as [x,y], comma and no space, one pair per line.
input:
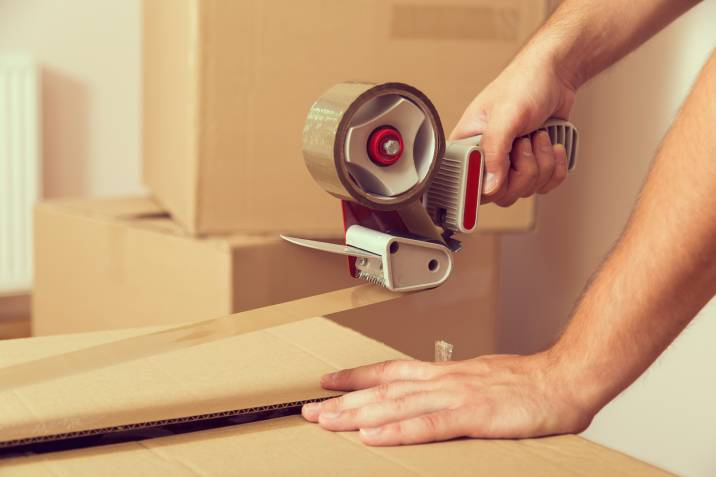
[502,129]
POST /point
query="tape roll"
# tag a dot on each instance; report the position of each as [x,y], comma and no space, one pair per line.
[340,149]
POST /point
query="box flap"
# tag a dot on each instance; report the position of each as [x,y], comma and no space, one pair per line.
[279,363]
[270,366]
[200,368]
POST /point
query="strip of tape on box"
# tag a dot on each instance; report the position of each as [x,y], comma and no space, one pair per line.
[190,335]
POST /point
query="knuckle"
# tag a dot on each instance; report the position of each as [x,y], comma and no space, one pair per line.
[528,192]
[425,371]
[355,414]
[560,173]
[525,145]
[452,380]
[333,404]
[543,142]
[496,163]
[408,369]
[546,160]
[431,422]
[461,389]
[401,405]
[396,429]
[506,201]
[530,170]
[384,368]
[382,392]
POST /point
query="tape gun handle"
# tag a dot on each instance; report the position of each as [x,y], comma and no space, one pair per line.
[560,132]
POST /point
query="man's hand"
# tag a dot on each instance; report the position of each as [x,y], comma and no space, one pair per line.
[580,39]
[411,402]
[510,107]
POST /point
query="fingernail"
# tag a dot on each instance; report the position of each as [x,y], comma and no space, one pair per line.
[490,182]
[327,378]
[371,431]
[330,415]
[311,407]
[545,143]
[526,145]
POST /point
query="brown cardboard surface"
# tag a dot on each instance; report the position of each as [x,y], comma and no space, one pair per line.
[117,263]
[274,364]
[227,85]
[269,366]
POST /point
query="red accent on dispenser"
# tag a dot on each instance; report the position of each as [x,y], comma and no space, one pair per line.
[472,191]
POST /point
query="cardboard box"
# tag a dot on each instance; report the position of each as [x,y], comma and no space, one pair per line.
[278,364]
[116,263]
[228,84]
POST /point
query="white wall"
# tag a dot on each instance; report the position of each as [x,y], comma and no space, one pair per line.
[668,417]
[89,51]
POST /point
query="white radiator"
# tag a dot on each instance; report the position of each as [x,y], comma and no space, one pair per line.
[19,169]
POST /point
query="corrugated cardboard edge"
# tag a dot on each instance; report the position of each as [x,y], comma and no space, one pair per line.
[561,455]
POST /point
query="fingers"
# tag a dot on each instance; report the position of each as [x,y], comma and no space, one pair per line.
[544,156]
[523,176]
[537,167]
[436,426]
[379,373]
[560,169]
[496,141]
[363,397]
[384,412]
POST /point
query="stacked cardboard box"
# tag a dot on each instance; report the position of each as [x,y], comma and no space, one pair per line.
[118,263]
[227,85]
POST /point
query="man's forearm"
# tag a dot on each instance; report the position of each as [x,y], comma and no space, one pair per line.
[583,37]
[663,269]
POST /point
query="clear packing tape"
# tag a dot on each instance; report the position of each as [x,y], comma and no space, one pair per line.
[131,405]
[194,334]
[443,351]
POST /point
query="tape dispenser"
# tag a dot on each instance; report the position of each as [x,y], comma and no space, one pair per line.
[405,192]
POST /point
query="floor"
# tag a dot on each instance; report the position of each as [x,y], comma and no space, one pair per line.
[15,315]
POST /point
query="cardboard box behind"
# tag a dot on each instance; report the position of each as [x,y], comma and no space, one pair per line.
[228,83]
[117,263]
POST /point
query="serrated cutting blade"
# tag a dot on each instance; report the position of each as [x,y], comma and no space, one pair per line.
[330,247]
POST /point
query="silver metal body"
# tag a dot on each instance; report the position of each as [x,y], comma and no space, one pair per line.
[397,263]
